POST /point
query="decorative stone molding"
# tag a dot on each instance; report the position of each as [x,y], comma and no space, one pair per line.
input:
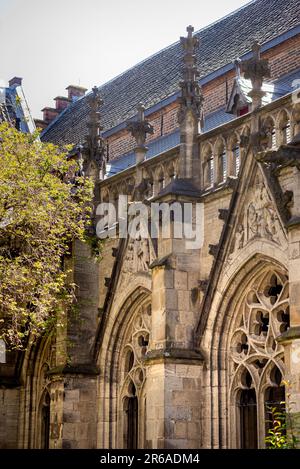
[203,284]
[140,128]
[256,69]
[94,147]
[213,249]
[285,156]
[114,252]
[256,357]
[139,255]
[107,281]
[258,220]
[223,214]
[191,95]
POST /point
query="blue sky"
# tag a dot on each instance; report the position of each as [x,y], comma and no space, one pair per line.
[52,44]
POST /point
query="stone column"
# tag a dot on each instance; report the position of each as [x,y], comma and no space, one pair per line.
[73,416]
[139,129]
[291,338]
[174,366]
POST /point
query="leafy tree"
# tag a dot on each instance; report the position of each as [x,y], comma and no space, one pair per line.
[284,425]
[44,206]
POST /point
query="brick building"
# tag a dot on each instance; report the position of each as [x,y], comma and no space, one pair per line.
[179,347]
[13,106]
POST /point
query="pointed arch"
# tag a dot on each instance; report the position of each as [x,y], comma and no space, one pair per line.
[269,126]
[122,372]
[208,165]
[283,126]
[220,153]
[242,358]
[35,425]
[234,150]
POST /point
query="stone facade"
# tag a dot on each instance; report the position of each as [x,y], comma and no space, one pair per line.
[176,347]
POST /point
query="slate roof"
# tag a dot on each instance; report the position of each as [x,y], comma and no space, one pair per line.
[279,88]
[157,77]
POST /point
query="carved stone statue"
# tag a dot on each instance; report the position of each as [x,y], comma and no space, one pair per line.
[260,220]
[138,256]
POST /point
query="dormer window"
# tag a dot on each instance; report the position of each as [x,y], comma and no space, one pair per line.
[238,103]
[243,110]
[240,100]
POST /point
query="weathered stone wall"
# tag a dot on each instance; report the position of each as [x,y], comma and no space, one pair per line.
[78,412]
[9,417]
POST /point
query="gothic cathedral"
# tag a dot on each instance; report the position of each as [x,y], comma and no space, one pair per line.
[180,346]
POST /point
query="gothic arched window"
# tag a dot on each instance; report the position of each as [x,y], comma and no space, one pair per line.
[270,131]
[257,365]
[132,378]
[284,128]
[222,165]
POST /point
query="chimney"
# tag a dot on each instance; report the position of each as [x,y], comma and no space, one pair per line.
[49,113]
[75,91]
[40,124]
[15,81]
[61,102]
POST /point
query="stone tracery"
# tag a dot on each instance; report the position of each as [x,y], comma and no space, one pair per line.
[133,377]
[256,358]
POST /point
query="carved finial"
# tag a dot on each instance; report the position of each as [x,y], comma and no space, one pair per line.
[191,95]
[256,69]
[94,141]
[140,112]
[237,65]
[140,127]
